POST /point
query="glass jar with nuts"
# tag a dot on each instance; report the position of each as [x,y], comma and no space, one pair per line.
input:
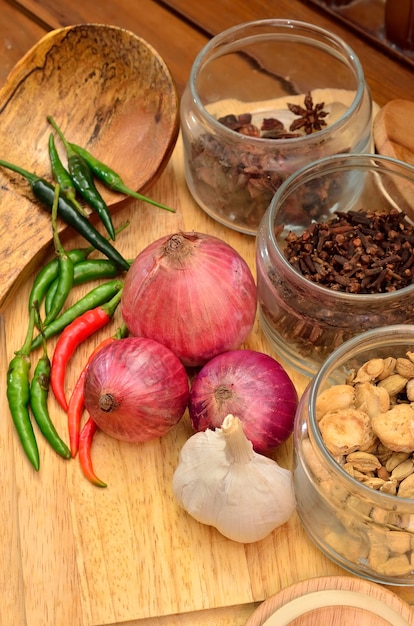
[354,456]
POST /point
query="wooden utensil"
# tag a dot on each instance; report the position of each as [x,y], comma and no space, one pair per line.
[341,600]
[111,93]
[393,131]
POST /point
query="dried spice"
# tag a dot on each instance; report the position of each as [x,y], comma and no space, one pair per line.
[375,537]
[356,252]
[311,117]
[377,257]
[239,186]
[379,396]
[271,127]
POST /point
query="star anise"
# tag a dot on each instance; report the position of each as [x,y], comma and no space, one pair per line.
[311,117]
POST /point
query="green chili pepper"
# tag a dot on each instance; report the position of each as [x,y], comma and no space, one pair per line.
[39,392]
[50,273]
[18,395]
[46,280]
[96,297]
[66,268]
[83,180]
[45,192]
[62,176]
[93,269]
[111,179]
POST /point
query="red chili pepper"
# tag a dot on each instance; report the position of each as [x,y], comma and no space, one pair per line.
[77,401]
[85,458]
[72,336]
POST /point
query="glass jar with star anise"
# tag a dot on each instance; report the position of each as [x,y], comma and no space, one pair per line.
[264,99]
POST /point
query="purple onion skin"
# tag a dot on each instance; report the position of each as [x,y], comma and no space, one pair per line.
[252,386]
[193,293]
[147,386]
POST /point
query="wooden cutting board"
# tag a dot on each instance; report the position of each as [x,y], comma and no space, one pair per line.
[76,554]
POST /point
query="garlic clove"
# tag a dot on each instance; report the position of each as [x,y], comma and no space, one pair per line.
[202,466]
[250,515]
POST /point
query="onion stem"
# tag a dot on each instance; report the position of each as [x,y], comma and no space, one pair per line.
[107,402]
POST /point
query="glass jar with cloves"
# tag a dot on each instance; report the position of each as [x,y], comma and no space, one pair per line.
[335,256]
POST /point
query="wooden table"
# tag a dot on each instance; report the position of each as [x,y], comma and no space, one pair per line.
[74,554]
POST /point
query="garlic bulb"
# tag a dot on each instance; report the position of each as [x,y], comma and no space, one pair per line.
[222,482]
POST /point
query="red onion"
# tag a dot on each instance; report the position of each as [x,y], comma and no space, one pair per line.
[136,389]
[253,387]
[192,292]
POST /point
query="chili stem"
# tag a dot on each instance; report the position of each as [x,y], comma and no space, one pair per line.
[66,268]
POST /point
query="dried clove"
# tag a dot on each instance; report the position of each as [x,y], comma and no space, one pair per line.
[359,252]
[356,252]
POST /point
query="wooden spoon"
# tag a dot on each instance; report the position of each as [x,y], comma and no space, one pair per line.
[394,137]
[110,92]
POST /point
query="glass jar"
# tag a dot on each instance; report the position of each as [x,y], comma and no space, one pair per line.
[256,69]
[366,531]
[303,320]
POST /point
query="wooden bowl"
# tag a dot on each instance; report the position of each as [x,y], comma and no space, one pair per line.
[111,93]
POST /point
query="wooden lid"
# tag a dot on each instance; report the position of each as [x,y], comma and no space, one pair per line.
[333,600]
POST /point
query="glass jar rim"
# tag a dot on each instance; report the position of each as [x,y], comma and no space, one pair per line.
[285,25]
[329,165]
[337,357]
